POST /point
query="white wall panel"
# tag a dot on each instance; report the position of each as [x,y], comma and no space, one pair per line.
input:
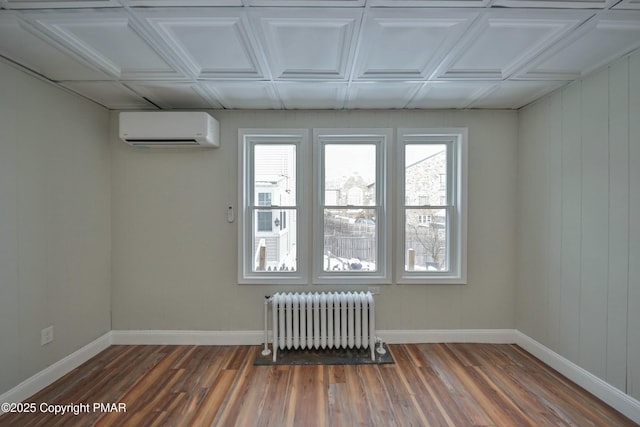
[595,224]
[633,358]
[571,183]
[591,207]
[554,254]
[618,281]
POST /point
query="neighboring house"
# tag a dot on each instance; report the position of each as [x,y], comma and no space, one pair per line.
[275,228]
[426,189]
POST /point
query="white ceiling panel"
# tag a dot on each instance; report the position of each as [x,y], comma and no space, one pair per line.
[312,95]
[308,43]
[113,95]
[515,94]
[450,94]
[173,95]
[182,3]
[99,37]
[315,54]
[568,4]
[381,95]
[213,43]
[503,41]
[21,44]
[605,38]
[408,43]
[234,95]
[628,4]
[307,3]
[43,4]
[430,3]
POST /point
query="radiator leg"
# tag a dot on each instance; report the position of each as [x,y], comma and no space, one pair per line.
[274,325]
[380,350]
[266,351]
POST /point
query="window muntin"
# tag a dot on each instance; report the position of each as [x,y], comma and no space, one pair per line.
[432,226]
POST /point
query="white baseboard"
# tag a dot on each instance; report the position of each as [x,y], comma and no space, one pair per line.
[187,337]
[160,337]
[485,336]
[62,367]
[594,385]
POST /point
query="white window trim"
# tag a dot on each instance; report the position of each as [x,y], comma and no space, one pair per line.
[383,138]
[457,183]
[246,138]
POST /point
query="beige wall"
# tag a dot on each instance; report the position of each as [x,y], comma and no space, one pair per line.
[174,254]
[54,224]
[578,287]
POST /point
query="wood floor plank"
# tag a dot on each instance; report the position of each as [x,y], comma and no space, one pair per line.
[449,371]
[454,385]
[273,410]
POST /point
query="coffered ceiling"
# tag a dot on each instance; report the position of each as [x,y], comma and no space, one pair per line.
[315,54]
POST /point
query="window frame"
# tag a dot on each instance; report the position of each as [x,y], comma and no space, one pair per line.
[247,140]
[457,172]
[382,138]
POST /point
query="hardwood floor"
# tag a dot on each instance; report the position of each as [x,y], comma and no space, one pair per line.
[430,385]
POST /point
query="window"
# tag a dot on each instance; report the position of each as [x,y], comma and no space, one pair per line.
[424,219]
[350,227]
[272,217]
[264,199]
[264,217]
[432,237]
[328,215]
[264,220]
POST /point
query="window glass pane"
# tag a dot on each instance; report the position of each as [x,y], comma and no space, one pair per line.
[350,241]
[350,174]
[274,240]
[425,174]
[264,221]
[426,240]
[264,199]
[274,175]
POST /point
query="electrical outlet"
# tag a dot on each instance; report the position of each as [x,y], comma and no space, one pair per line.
[46,335]
[375,290]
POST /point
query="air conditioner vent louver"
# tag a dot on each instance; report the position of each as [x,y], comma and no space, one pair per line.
[169,129]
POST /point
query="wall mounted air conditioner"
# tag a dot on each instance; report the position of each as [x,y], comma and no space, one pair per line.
[169,129]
